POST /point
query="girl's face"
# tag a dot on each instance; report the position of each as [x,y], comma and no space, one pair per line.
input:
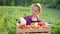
[35,10]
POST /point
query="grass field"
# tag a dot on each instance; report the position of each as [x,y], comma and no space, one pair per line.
[9,14]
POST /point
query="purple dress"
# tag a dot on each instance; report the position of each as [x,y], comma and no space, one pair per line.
[29,19]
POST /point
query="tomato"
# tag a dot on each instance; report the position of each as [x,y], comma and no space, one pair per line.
[44,26]
[40,23]
[22,26]
[38,26]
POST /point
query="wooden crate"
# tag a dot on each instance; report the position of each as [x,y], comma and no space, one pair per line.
[34,31]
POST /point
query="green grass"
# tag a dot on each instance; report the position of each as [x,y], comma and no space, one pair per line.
[9,14]
[50,14]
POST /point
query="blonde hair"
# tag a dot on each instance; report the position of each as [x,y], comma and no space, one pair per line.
[38,5]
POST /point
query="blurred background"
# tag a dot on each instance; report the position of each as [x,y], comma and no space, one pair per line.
[12,9]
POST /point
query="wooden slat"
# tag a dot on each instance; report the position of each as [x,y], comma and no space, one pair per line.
[33,30]
[37,33]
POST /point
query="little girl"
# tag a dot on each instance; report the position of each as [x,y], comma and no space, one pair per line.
[35,11]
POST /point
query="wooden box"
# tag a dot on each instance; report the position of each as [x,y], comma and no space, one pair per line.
[34,31]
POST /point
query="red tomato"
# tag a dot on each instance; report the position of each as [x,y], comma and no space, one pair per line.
[38,26]
[44,26]
[40,23]
[22,26]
